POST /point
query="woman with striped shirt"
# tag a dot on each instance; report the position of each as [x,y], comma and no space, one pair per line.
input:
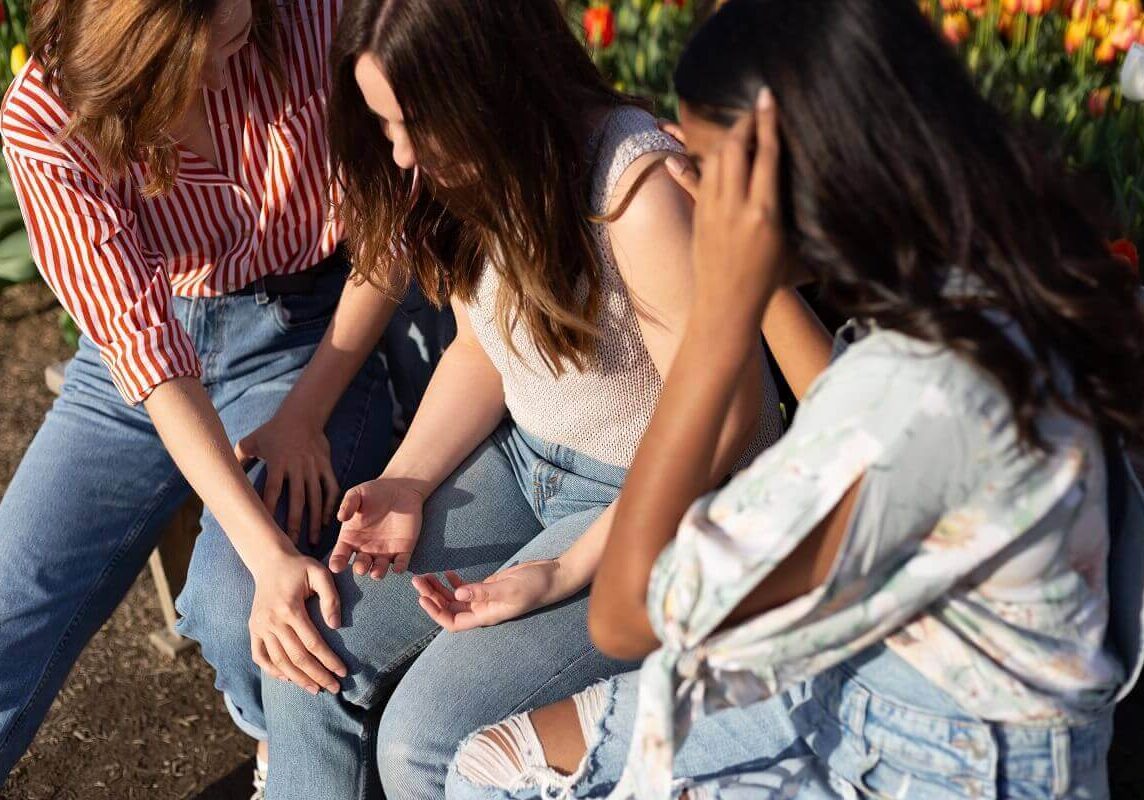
[178,203]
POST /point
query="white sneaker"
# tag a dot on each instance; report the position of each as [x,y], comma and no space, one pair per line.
[259,781]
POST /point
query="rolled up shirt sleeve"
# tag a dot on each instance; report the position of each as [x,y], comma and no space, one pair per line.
[83,242]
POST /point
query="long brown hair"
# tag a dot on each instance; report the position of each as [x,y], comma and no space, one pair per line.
[495,94]
[125,69]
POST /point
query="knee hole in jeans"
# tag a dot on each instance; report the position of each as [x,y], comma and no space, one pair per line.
[510,756]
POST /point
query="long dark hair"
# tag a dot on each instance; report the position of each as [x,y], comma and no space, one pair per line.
[897,173]
[494,93]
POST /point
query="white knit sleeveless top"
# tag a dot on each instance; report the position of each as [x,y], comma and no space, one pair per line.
[602,411]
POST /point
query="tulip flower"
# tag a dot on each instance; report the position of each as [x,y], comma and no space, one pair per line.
[1132,74]
[1125,250]
[1098,101]
[599,26]
[1105,52]
[1075,35]
[955,27]
[18,58]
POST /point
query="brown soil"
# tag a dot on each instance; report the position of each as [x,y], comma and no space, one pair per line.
[132,724]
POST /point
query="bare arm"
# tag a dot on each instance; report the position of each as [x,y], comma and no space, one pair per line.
[738,246]
[799,341]
[284,641]
[194,436]
[462,406]
[293,442]
[653,246]
[361,317]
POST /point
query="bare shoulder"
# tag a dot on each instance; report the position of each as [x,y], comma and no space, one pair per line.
[647,202]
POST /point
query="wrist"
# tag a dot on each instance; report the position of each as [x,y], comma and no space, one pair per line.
[563,582]
[408,478]
[301,413]
[270,555]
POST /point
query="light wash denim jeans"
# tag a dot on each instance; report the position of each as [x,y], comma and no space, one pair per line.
[872,727]
[514,499]
[95,488]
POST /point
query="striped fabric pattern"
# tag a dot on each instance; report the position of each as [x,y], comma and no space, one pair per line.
[115,258]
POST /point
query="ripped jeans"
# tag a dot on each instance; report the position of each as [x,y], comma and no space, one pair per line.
[872,727]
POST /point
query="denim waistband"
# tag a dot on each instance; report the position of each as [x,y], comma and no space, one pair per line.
[570,460]
[890,715]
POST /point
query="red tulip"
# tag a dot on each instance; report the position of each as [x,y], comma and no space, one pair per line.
[1125,250]
[1098,101]
[599,26]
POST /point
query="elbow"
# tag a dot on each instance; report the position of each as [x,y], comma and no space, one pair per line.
[620,628]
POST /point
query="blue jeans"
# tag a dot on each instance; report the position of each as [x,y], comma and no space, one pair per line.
[214,606]
[873,727]
[514,499]
[96,487]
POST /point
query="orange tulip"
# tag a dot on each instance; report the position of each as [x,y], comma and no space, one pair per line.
[955,27]
[1125,10]
[1075,35]
[1037,8]
[1105,52]
[1126,35]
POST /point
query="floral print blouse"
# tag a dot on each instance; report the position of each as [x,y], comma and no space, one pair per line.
[980,562]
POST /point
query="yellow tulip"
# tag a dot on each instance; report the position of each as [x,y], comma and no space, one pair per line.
[19,57]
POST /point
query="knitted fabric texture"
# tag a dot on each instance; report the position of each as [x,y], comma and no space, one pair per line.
[603,410]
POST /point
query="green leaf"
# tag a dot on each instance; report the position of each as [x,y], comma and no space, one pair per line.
[16,264]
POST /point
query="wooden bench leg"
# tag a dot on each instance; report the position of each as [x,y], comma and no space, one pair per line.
[169,565]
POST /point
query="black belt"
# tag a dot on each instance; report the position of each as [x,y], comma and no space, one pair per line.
[304,282]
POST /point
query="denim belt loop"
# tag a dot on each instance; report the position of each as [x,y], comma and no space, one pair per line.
[1062,760]
[261,296]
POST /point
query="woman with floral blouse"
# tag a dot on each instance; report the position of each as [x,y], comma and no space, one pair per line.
[930,587]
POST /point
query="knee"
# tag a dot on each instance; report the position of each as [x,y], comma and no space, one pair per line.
[214,605]
[409,757]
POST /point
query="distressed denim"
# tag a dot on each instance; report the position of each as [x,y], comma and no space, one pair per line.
[515,499]
[872,727]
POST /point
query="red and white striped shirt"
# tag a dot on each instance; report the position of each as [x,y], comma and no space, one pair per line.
[114,258]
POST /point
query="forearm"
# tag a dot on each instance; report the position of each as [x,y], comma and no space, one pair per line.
[799,341]
[672,468]
[194,436]
[361,317]
[463,405]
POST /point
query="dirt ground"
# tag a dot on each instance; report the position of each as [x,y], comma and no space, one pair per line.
[132,724]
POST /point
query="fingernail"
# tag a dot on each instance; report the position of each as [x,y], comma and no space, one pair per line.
[464,594]
[332,622]
[675,165]
[765,99]
[314,690]
[341,673]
